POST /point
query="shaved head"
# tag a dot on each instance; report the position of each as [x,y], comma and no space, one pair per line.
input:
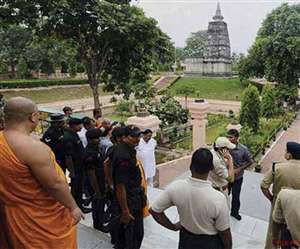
[18,109]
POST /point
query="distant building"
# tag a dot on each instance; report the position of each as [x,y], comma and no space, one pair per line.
[217,54]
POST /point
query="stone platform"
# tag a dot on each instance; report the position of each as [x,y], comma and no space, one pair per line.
[249,233]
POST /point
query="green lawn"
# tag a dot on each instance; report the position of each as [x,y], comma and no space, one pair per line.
[55,94]
[117,117]
[210,88]
[214,131]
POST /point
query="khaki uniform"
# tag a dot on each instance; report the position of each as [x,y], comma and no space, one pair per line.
[287,211]
[286,175]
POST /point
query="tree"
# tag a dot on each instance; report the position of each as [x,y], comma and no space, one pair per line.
[276,51]
[268,102]
[236,60]
[115,41]
[47,54]
[185,91]
[250,108]
[195,44]
[169,111]
[13,42]
[23,71]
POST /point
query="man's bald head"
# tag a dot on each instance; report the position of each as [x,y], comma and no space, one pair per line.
[19,109]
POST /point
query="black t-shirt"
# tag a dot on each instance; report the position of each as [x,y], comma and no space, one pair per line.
[92,160]
[73,147]
[53,137]
[125,168]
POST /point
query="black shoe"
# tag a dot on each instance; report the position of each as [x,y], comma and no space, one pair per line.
[86,210]
[237,216]
[87,201]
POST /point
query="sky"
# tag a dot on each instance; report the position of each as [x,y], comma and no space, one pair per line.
[178,18]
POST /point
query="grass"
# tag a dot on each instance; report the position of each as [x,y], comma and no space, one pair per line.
[55,94]
[212,132]
[210,88]
[117,117]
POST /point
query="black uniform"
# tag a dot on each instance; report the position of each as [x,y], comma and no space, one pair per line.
[93,161]
[73,148]
[53,137]
[126,171]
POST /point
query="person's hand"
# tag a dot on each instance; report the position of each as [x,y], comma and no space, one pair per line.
[77,215]
[225,153]
[126,217]
[177,226]
[238,171]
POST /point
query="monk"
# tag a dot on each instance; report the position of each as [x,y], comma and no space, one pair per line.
[36,207]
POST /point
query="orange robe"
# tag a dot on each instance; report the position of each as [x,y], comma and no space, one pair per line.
[144,185]
[30,217]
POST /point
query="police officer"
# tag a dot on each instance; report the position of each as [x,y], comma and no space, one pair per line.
[281,175]
[73,150]
[93,163]
[130,196]
[53,137]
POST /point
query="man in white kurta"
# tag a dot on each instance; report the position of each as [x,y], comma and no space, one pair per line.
[146,154]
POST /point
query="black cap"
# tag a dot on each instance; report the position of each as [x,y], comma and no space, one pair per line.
[132,131]
[75,121]
[294,149]
[93,133]
[67,108]
[118,132]
[56,117]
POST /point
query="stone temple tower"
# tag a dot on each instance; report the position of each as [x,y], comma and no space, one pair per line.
[217,54]
[218,45]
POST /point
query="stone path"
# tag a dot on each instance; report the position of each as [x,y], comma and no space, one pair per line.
[276,154]
[216,106]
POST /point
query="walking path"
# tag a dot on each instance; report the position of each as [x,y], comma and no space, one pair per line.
[216,106]
[249,233]
[276,154]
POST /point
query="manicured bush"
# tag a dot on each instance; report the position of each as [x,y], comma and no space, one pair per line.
[268,102]
[40,83]
[250,109]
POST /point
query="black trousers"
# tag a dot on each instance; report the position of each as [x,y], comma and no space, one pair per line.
[131,235]
[235,189]
[76,189]
[188,240]
[98,212]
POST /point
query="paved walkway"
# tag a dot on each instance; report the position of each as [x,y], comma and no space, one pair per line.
[216,106]
[247,234]
[276,154]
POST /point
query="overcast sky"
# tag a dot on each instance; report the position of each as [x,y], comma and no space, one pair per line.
[178,18]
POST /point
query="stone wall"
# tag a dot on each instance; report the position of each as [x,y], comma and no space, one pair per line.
[167,172]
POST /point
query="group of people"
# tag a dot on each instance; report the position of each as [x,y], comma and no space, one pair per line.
[202,200]
[111,165]
[37,207]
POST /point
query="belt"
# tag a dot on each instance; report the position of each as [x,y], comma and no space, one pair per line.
[221,188]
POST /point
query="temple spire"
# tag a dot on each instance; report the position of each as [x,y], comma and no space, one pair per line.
[218,16]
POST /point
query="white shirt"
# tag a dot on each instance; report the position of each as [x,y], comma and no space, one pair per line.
[218,176]
[146,154]
[82,136]
[202,209]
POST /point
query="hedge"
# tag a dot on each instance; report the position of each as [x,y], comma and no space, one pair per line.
[40,83]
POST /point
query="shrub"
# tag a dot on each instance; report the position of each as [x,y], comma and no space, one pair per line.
[268,102]
[250,109]
[40,83]
[23,71]
[124,107]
